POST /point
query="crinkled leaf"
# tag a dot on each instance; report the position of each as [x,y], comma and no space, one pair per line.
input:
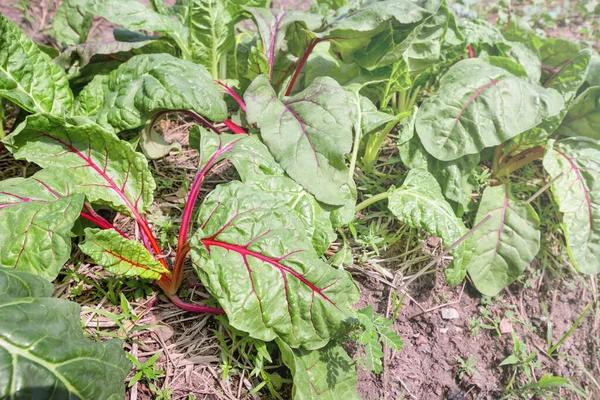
[566,79]
[529,59]
[28,77]
[418,48]
[71,23]
[253,256]
[323,62]
[258,169]
[324,374]
[577,192]
[113,50]
[483,36]
[250,157]
[44,355]
[21,284]
[135,16]
[419,203]
[35,226]
[148,83]
[273,25]
[370,28]
[316,219]
[211,32]
[107,170]
[308,133]
[506,243]
[555,52]
[583,117]
[478,106]
[452,176]
[119,255]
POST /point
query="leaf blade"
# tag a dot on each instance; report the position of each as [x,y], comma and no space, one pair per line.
[506,243]
[308,133]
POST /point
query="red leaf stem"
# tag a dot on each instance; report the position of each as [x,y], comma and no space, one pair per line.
[303,60]
[233,94]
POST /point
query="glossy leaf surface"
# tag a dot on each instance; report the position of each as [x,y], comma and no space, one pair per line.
[128,96]
[583,117]
[479,106]
[420,204]
[43,353]
[253,256]
[28,77]
[577,193]
[120,256]
[308,133]
[506,243]
[324,374]
[107,170]
[36,223]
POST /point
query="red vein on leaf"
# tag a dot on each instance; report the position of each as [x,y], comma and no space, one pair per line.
[233,94]
[501,227]
[586,192]
[304,133]
[469,101]
[114,187]
[274,30]
[244,252]
[576,117]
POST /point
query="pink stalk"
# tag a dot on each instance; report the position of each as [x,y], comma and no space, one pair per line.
[471,52]
[309,50]
[234,127]
[194,307]
[233,94]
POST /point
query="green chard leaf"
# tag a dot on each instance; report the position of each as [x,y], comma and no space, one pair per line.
[107,170]
[506,243]
[452,176]
[583,117]
[273,26]
[308,133]
[420,204]
[119,255]
[324,374]
[211,32]
[374,29]
[478,106]
[259,170]
[577,193]
[71,23]
[21,284]
[28,77]
[529,59]
[36,218]
[418,48]
[149,83]
[252,255]
[484,36]
[135,16]
[84,53]
[43,353]
[567,79]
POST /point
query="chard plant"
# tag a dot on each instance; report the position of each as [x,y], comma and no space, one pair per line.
[314,96]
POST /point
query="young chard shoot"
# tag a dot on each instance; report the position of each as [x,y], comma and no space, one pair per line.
[314,96]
